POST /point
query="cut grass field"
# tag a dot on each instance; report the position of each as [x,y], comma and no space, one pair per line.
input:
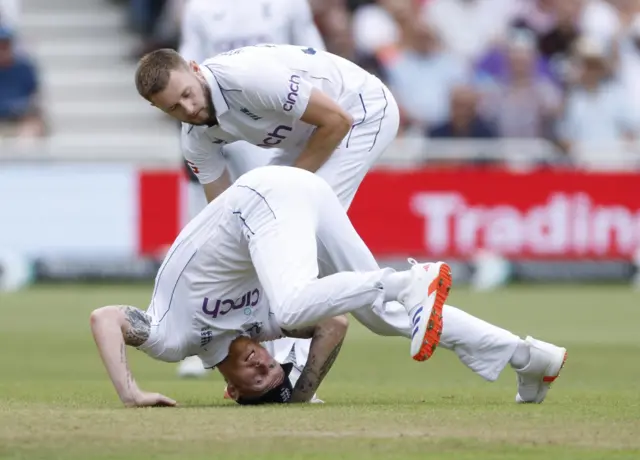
[56,401]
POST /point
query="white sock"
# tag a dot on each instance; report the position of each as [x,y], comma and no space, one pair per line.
[521,356]
[394,283]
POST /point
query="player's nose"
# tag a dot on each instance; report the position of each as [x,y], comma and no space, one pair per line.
[191,110]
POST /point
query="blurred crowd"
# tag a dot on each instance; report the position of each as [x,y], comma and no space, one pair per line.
[565,71]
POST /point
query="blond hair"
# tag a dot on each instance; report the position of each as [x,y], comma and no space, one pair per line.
[154,70]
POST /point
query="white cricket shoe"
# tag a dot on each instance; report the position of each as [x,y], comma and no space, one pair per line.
[535,379]
[192,367]
[424,299]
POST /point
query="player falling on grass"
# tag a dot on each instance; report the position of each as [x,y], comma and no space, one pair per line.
[320,112]
[211,27]
[249,268]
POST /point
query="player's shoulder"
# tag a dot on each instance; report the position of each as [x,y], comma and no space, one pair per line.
[236,66]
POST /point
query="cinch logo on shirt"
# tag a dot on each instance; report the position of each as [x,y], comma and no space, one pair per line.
[222,307]
[292,97]
[275,137]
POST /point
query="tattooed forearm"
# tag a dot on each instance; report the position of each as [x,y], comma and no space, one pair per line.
[123,360]
[312,377]
[325,348]
[137,330]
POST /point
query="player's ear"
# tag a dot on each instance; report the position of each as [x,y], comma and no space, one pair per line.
[193,65]
[232,392]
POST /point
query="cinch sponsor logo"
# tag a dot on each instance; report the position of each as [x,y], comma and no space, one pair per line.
[276,136]
[222,307]
[292,97]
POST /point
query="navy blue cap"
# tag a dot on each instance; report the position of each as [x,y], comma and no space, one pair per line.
[278,395]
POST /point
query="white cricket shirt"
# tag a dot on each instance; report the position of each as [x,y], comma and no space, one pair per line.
[210,27]
[207,292]
[259,94]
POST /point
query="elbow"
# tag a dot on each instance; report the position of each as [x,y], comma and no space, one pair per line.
[345,122]
[100,315]
[340,122]
[96,316]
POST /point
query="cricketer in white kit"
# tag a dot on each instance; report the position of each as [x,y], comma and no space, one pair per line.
[318,111]
[210,27]
[246,270]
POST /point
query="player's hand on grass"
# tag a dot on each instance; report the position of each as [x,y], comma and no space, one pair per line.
[144,399]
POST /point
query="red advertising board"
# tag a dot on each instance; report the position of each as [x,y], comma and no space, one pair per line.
[534,215]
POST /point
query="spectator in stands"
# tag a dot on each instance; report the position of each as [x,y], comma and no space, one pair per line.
[598,118]
[157,22]
[469,27]
[628,53]
[596,19]
[384,24]
[519,97]
[421,76]
[465,121]
[20,113]
[538,16]
[494,65]
[333,19]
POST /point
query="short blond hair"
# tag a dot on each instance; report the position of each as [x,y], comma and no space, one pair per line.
[154,70]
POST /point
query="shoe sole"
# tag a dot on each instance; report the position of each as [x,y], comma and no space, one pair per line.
[442,286]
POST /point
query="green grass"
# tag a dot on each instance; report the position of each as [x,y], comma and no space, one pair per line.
[56,401]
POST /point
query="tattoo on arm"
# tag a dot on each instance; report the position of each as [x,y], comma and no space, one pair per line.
[313,373]
[137,330]
[123,359]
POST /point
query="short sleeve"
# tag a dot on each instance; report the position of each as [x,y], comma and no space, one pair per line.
[203,155]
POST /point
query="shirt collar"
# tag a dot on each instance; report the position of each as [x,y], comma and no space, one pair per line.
[217,98]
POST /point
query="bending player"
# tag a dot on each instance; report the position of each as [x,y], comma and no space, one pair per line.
[247,270]
[210,27]
[286,105]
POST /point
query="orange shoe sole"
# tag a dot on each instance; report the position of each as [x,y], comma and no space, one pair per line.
[441,285]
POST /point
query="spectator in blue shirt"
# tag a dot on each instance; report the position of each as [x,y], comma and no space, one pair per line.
[19,108]
[464,121]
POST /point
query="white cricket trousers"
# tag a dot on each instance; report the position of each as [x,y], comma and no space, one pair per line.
[296,227]
[376,121]
[285,214]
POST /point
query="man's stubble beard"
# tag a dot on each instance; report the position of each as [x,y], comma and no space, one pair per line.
[211,119]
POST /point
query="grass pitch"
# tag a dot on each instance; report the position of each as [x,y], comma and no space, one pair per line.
[56,400]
